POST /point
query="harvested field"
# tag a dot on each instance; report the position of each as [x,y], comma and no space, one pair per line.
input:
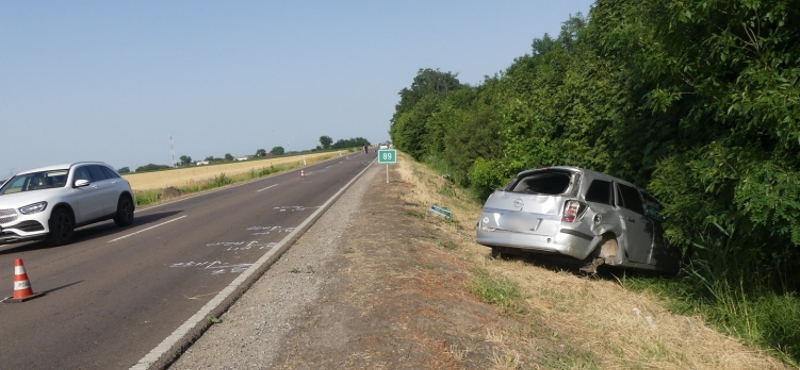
[191,175]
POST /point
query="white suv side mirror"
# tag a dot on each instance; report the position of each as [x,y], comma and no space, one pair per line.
[81,183]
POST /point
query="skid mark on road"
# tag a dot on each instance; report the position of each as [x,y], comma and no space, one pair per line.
[242,246]
[216,267]
[294,208]
[266,230]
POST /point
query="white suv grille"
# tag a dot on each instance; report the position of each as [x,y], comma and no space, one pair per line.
[7,215]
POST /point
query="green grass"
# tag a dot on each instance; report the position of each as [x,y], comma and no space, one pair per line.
[145,197]
[447,190]
[498,291]
[761,317]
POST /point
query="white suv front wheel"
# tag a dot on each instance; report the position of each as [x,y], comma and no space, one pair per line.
[124,215]
[62,227]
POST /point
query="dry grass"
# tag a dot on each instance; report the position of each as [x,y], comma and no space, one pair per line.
[597,317]
[198,174]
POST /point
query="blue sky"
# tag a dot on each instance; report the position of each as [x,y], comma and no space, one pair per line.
[109,81]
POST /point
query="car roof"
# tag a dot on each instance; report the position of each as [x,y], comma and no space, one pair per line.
[65,166]
[586,172]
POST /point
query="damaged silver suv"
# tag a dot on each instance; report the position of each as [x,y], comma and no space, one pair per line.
[590,217]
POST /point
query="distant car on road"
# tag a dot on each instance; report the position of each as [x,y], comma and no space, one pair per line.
[50,202]
[383,146]
[589,217]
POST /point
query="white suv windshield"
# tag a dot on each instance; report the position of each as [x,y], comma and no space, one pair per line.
[35,181]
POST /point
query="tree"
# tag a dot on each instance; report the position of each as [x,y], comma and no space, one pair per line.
[278,150]
[357,142]
[228,157]
[152,167]
[326,142]
[185,160]
[261,153]
[124,170]
[427,82]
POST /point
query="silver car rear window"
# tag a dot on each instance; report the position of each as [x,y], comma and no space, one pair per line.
[548,183]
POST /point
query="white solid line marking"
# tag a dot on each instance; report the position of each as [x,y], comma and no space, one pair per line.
[149,228]
[260,190]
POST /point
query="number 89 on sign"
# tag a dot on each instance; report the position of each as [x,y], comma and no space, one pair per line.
[387,156]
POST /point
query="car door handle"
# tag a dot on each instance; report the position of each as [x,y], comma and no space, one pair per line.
[631,219]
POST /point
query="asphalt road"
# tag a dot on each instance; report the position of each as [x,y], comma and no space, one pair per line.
[115,293]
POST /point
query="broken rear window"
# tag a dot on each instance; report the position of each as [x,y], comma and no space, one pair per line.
[549,183]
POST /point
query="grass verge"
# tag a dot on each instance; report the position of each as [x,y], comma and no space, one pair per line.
[760,317]
[499,291]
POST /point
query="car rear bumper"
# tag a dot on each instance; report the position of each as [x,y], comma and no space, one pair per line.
[566,242]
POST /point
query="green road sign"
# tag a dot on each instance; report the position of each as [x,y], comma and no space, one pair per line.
[387,156]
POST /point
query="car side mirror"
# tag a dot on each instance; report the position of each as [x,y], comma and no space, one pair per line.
[81,183]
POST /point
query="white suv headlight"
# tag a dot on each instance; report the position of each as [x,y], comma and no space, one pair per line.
[33,208]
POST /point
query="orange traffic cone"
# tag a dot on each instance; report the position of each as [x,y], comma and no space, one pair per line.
[22,286]
[302,174]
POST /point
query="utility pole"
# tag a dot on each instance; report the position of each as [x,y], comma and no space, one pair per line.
[172,148]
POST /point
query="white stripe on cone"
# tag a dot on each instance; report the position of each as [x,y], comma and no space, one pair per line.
[20,285]
[19,270]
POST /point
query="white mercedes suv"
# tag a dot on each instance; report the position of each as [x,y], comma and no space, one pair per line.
[50,202]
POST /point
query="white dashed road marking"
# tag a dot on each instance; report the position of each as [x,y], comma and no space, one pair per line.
[147,229]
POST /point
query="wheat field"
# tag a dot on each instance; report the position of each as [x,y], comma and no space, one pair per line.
[194,174]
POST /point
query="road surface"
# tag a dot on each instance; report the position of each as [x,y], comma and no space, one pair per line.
[115,293]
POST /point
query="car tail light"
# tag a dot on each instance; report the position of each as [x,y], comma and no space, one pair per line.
[572,210]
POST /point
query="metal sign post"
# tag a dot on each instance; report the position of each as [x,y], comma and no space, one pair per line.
[388,156]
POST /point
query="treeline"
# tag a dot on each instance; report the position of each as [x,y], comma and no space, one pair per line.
[146,168]
[326,142]
[697,101]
